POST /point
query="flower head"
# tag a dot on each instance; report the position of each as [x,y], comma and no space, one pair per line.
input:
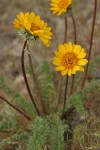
[33,26]
[60,6]
[69,58]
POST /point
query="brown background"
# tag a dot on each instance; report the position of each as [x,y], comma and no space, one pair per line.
[11,44]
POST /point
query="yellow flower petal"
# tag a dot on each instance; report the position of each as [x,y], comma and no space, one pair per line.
[66,59]
[74,70]
[59,68]
[76,49]
[34,26]
[64,72]
[81,69]
[82,54]
[82,62]
[69,72]
[60,6]
[66,46]
[58,54]
[62,48]
[69,50]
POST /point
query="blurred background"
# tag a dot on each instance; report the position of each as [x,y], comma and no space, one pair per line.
[11,44]
[11,47]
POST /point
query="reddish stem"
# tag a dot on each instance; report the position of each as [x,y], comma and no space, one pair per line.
[25,78]
[65,37]
[91,43]
[35,82]
[59,90]
[75,33]
[75,39]
[17,109]
[65,96]
[61,77]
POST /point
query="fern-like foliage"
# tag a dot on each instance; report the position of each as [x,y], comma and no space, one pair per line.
[28,107]
[47,86]
[58,128]
[76,101]
[17,98]
[39,134]
[94,64]
[16,137]
[47,133]
[8,125]
[93,85]
[7,120]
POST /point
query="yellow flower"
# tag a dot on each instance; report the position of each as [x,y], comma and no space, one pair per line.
[34,26]
[60,6]
[69,58]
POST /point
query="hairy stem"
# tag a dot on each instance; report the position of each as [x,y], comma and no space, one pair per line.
[75,39]
[14,107]
[61,77]
[91,43]
[25,78]
[35,82]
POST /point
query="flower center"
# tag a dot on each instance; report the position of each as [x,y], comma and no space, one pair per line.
[34,27]
[63,4]
[69,60]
